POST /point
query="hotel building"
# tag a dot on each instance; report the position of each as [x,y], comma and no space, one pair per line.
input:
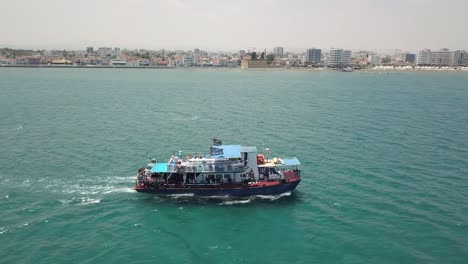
[339,58]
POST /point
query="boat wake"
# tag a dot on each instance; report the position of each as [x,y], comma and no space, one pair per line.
[183,195]
[86,191]
[254,198]
[80,201]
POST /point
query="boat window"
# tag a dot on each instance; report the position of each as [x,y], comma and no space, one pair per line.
[227,176]
[219,176]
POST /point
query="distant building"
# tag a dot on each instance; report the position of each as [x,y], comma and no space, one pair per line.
[346,59]
[441,57]
[29,60]
[104,51]
[339,58]
[313,56]
[278,51]
[89,50]
[242,52]
[116,51]
[374,60]
[61,61]
[189,60]
[409,57]
[459,58]
[118,62]
[249,64]
[143,63]
[424,57]
[196,51]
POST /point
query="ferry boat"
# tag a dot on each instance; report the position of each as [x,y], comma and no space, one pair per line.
[227,171]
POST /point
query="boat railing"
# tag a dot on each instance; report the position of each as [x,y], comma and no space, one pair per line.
[206,167]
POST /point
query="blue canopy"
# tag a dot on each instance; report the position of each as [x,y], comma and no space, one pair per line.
[290,161]
[159,167]
[226,151]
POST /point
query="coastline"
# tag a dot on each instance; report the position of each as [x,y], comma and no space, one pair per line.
[81,66]
[373,69]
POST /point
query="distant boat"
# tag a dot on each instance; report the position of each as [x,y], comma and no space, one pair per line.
[347,69]
[227,171]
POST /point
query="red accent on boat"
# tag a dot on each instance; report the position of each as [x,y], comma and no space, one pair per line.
[260,159]
[292,175]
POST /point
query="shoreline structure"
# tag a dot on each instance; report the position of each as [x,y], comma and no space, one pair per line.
[371,69]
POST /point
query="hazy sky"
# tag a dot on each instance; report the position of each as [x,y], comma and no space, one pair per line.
[234,24]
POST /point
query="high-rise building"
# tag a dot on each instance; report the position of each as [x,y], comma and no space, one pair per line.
[459,58]
[278,51]
[464,59]
[427,57]
[408,57]
[334,57]
[89,50]
[424,57]
[339,58]
[346,59]
[313,56]
[441,57]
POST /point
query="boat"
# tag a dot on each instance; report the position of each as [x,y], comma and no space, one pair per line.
[226,171]
[347,69]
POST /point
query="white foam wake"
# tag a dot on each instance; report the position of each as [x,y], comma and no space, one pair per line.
[181,195]
[80,201]
[256,197]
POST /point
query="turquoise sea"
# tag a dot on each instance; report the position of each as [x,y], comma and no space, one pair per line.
[384,165]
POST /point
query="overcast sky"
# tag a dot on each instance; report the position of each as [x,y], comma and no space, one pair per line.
[234,24]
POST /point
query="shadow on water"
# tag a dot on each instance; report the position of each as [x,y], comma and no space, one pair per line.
[285,199]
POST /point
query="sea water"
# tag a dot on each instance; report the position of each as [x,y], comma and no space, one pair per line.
[384,166]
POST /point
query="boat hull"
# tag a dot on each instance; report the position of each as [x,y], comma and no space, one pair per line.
[240,191]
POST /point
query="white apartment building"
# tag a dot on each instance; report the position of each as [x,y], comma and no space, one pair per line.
[459,58]
[189,60]
[424,57]
[374,60]
[346,58]
[441,57]
[334,57]
[339,58]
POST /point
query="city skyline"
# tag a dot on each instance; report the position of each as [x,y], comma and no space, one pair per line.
[177,24]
